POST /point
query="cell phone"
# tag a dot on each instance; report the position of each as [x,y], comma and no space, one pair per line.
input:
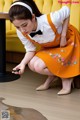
[15,70]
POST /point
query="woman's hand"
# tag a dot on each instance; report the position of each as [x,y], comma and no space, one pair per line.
[19,69]
[63,41]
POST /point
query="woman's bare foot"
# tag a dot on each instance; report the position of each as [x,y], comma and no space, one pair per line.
[66,86]
[47,83]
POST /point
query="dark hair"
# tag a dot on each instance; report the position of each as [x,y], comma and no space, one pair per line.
[21,12]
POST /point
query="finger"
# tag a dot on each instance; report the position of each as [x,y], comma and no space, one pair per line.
[16,70]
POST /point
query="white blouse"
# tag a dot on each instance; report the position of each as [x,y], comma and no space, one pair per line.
[48,35]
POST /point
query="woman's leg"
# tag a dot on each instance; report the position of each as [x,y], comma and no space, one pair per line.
[46,84]
[32,63]
[37,65]
[66,86]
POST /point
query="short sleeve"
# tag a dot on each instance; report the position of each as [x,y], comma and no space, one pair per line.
[27,44]
[59,16]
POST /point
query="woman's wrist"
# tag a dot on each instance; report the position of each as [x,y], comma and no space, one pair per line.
[23,63]
[63,35]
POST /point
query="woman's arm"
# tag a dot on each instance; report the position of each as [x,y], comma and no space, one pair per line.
[63,41]
[28,56]
[30,52]
[19,69]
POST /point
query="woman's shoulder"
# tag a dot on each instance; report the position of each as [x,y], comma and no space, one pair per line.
[42,19]
[19,34]
[42,16]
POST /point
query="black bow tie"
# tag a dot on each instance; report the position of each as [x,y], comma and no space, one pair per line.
[36,33]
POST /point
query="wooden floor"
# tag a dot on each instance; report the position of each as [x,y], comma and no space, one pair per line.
[22,93]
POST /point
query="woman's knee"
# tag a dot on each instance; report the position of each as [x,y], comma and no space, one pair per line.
[31,63]
[39,66]
[31,66]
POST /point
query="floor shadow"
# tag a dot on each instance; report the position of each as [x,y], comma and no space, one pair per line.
[17,113]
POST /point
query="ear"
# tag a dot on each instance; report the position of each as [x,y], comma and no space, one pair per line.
[33,17]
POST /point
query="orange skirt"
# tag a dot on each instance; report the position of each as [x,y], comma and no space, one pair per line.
[64,62]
